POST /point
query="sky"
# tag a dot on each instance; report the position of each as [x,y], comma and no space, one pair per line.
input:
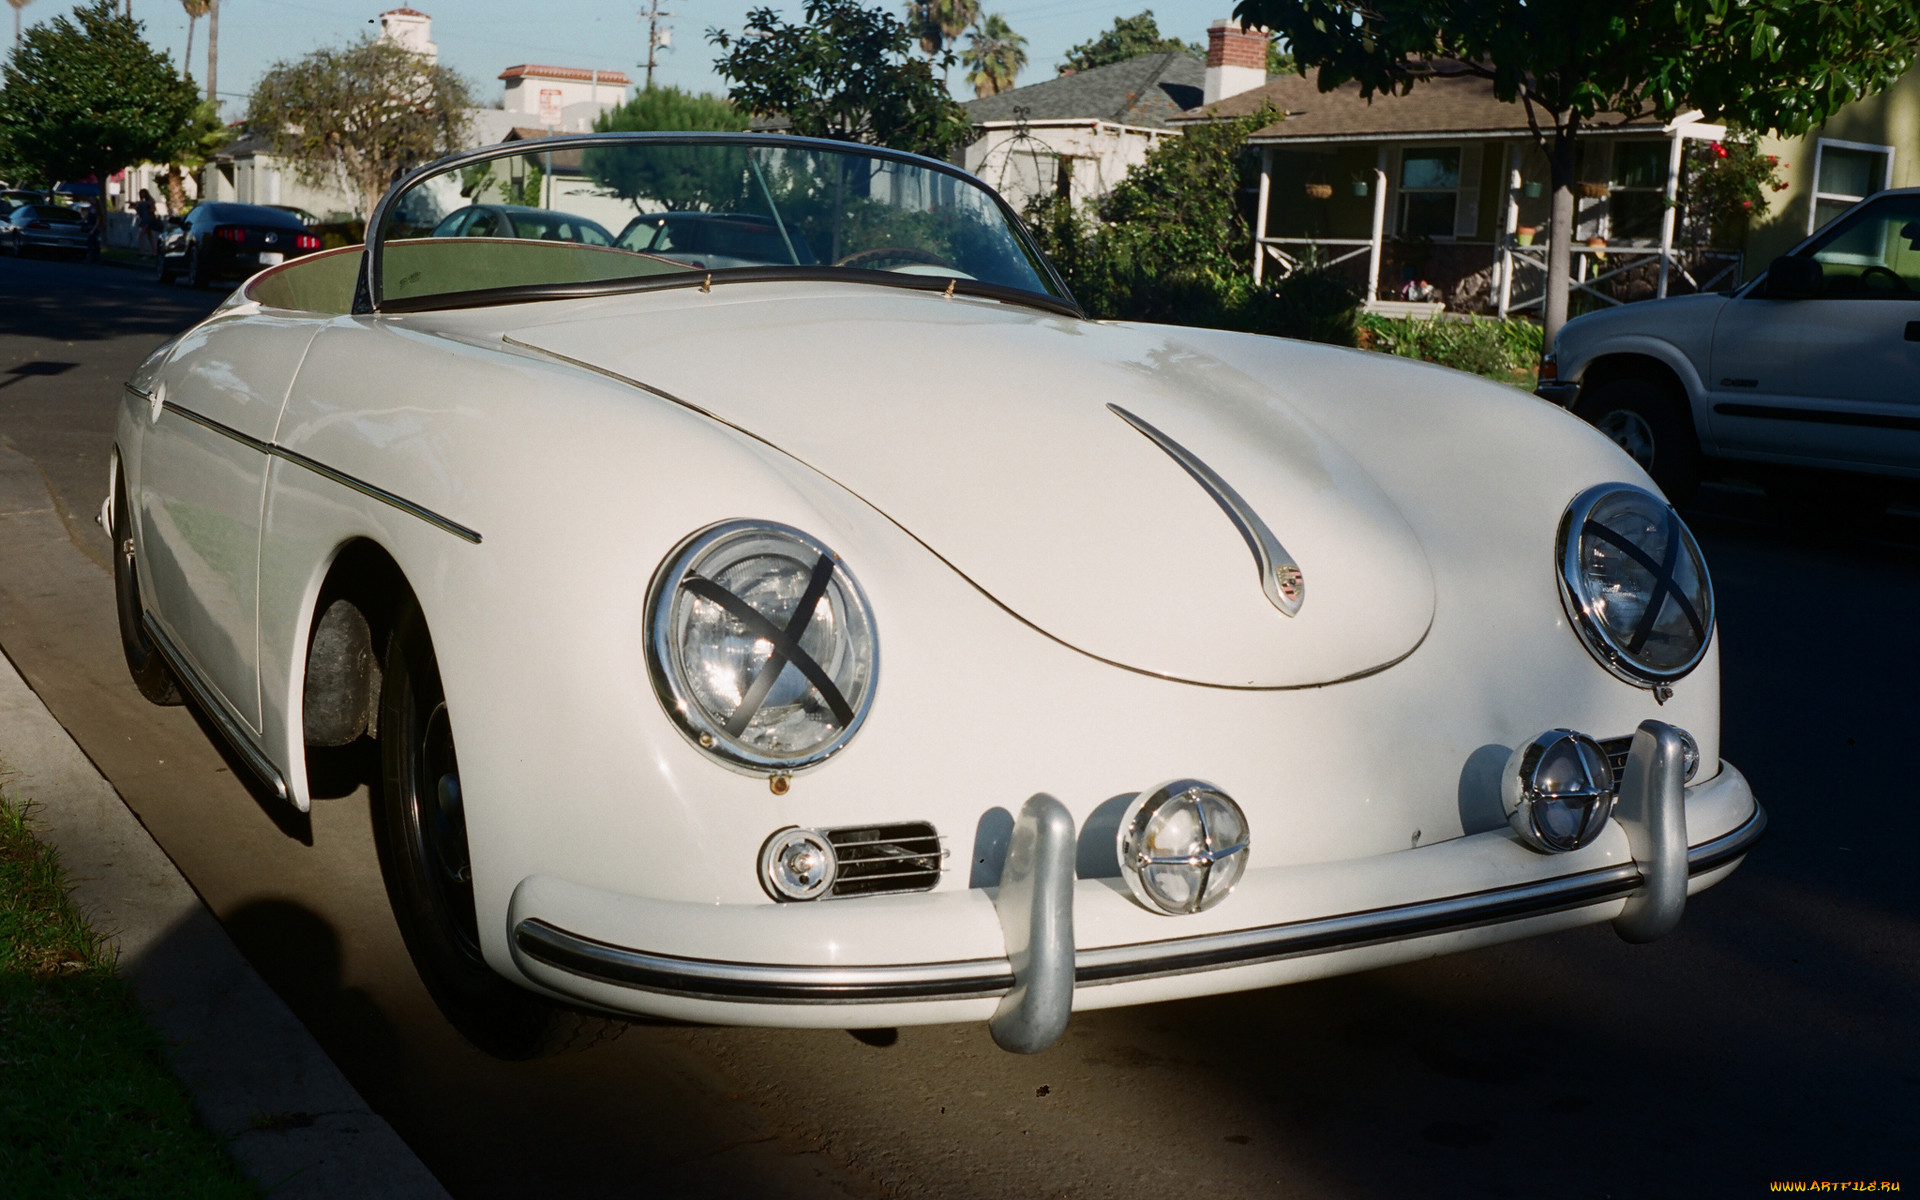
[479,38]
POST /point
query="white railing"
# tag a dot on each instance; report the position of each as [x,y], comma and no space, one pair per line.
[1593,265]
[1287,261]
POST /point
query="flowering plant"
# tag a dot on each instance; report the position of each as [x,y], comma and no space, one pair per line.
[1724,185]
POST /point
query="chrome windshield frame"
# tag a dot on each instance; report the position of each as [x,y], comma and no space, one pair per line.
[368,300]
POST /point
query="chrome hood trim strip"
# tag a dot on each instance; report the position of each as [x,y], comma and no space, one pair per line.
[1280,577]
[775,983]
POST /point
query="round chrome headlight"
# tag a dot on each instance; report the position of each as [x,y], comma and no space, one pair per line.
[1182,846]
[1634,584]
[761,646]
[1558,791]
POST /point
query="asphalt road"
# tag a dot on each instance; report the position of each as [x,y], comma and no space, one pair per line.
[1771,1038]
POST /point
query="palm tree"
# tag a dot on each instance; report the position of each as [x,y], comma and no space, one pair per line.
[939,22]
[195,10]
[994,56]
[17,6]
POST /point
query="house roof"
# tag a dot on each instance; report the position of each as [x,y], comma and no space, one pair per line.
[579,74]
[1149,91]
[403,12]
[1447,105]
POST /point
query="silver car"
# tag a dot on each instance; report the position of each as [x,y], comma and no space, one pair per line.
[43,226]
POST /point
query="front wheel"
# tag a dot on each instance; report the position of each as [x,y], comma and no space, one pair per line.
[1653,426]
[161,271]
[196,273]
[420,829]
[150,672]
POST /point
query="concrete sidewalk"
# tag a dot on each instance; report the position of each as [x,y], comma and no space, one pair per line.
[256,1076]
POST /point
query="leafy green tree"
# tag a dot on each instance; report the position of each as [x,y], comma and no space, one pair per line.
[1762,64]
[994,56]
[938,24]
[86,95]
[206,134]
[674,178]
[1170,244]
[363,114]
[1130,37]
[846,72]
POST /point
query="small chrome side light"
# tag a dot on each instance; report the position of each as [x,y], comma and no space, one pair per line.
[1182,846]
[798,864]
[1690,753]
[1558,791]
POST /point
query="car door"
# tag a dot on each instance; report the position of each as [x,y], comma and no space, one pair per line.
[1830,379]
[203,487]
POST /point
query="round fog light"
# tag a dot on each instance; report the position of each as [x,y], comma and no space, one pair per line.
[1182,846]
[1558,791]
[797,864]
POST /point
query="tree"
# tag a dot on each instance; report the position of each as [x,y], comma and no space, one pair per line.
[995,54]
[1130,37]
[847,73]
[205,135]
[195,10]
[939,23]
[365,114]
[1761,64]
[85,95]
[676,178]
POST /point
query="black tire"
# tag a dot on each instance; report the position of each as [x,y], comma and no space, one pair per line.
[420,830]
[150,671]
[195,273]
[161,271]
[1652,424]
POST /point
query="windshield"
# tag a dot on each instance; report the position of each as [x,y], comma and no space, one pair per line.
[535,219]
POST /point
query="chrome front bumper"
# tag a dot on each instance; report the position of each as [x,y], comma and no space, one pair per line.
[1027,993]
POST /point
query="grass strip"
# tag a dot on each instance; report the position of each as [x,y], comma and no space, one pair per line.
[88,1107]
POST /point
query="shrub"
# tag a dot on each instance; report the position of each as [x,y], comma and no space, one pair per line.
[1508,351]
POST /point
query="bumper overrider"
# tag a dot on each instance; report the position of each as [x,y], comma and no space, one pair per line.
[1022,965]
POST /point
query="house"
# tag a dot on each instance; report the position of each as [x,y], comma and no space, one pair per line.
[1447,186]
[562,98]
[1078,134]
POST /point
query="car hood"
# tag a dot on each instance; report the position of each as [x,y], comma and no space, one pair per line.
[984,430]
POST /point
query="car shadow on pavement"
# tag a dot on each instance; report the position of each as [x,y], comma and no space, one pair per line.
[81,302]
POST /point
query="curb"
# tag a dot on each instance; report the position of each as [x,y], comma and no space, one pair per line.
[245,1059]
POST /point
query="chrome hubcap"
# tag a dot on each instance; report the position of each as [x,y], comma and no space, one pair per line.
[1630,432]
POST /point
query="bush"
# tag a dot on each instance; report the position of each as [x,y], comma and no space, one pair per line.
[1508,351]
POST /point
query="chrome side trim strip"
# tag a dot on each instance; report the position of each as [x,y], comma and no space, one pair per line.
[383,496]
[319,468]
[783,984]
[216,710]
[1280,576]
[762,983]
[226,431]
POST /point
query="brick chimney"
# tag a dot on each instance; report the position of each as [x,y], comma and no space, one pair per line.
[1236,60]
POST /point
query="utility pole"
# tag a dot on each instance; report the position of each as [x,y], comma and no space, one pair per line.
[658,35]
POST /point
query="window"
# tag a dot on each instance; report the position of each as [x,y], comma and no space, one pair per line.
[1844,174]
[1636,193]
[1429,192]
[1874,254]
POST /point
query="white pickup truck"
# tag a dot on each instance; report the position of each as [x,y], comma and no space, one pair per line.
[1816,363]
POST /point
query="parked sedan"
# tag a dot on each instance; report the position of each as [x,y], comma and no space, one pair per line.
[217,241]
[44,227]
[12,198]
[842,646]
[519,221]
[710,241]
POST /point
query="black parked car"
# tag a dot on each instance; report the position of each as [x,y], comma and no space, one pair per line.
[217,241]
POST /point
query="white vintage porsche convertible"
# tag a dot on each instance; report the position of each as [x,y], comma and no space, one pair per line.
[817,621]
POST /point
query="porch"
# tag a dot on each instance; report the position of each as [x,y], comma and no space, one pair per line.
[1463,215]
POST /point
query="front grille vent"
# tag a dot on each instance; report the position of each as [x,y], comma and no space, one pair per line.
[878,859]
[1617,750]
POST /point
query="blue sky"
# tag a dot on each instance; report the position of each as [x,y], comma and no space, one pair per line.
[480,37]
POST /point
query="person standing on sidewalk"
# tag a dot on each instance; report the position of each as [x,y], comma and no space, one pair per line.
[91,224]
[146,222]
